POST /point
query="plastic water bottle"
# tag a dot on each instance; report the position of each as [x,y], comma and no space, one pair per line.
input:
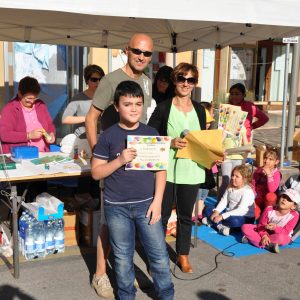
[22,221]
[59,236]
[40,241]
[29,242]
[49,225]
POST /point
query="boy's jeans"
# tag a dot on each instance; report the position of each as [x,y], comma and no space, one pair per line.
[123,221]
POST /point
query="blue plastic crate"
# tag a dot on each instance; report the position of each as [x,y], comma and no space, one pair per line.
[24,152]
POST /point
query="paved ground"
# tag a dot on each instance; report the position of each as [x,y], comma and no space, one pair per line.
[67,276]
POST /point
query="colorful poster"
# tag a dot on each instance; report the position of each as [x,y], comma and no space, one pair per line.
[231,119]
[152,152]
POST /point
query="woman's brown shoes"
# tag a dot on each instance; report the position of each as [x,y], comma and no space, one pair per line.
[184,264]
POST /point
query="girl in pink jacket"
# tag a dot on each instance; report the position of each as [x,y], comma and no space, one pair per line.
[276,224]
[265,181]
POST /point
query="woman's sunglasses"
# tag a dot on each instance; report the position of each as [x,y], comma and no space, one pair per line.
[94,79]
[139,52]
[190,80]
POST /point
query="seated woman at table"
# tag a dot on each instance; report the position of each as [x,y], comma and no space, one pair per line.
[25,120]
[79,105]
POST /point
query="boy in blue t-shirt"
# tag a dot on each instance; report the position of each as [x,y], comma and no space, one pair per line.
[132,199]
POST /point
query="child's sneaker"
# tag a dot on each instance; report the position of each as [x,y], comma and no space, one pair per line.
[223,229]
[245,240]
[205,221]
[273,248]
[103,287]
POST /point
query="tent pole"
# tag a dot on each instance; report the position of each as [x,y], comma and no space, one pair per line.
[285,89]
[293,101]
[6,72]
[109,54]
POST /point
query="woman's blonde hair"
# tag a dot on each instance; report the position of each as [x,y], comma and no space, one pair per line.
[246,173]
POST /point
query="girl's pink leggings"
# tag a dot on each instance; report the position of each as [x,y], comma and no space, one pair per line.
[254,238]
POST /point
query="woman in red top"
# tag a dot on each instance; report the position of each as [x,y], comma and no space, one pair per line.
[25,120]
[237,94]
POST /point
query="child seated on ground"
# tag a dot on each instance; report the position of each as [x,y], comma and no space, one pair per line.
[276,224]
[293,182]
[236,206]
[266,180]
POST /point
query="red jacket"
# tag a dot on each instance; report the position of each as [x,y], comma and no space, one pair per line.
[253,112]
[13,127]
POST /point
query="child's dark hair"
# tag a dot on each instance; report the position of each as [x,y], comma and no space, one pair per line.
[128,88]
[29,85]
[240,87]
[89,70]
[272,151]
[246,173]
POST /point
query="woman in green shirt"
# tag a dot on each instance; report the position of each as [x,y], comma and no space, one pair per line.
[172,117]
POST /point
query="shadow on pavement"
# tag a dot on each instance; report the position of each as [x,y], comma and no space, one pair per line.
[8,292]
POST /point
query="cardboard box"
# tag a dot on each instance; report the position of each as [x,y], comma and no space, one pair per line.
[260,151]
[89,226]
[171,227]
[296,145]
[71,221]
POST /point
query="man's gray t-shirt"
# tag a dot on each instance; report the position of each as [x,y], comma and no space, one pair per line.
[105,91]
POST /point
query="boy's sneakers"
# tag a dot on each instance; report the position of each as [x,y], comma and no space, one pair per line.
[223,229]
[273,248]
[205,221]
[103,287]
[245,240]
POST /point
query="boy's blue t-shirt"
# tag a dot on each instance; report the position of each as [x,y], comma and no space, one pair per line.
[124,187]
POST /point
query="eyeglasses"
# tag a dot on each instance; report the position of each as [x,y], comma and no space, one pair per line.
[30,98]
[139,52]
[190,80]
[95,79]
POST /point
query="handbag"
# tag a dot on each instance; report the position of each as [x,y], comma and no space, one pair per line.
[209,182]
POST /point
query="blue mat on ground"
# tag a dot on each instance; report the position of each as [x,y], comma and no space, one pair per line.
[231,243]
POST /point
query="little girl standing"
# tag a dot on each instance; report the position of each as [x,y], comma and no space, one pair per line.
[266,180]
[236,206]
[276,224]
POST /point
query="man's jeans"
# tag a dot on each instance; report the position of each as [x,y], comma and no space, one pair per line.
[123,221]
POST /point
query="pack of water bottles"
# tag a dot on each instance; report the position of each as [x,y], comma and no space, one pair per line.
[40,238]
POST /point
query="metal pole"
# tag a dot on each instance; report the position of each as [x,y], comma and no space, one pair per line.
[6,71]
[109,60]
[15,231]
[293,101]
[285,89]
[174,59]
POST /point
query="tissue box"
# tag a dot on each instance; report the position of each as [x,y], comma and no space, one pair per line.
[24,152]
[46,207]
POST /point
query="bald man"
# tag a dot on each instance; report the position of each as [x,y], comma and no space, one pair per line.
[139,53]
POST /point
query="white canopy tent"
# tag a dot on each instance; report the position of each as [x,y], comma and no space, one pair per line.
[174,25]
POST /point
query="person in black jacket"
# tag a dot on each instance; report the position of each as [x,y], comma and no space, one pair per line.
[163,87]
[174,117]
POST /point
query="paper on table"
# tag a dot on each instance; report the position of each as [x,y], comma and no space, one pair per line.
[241,149]
[203,147]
